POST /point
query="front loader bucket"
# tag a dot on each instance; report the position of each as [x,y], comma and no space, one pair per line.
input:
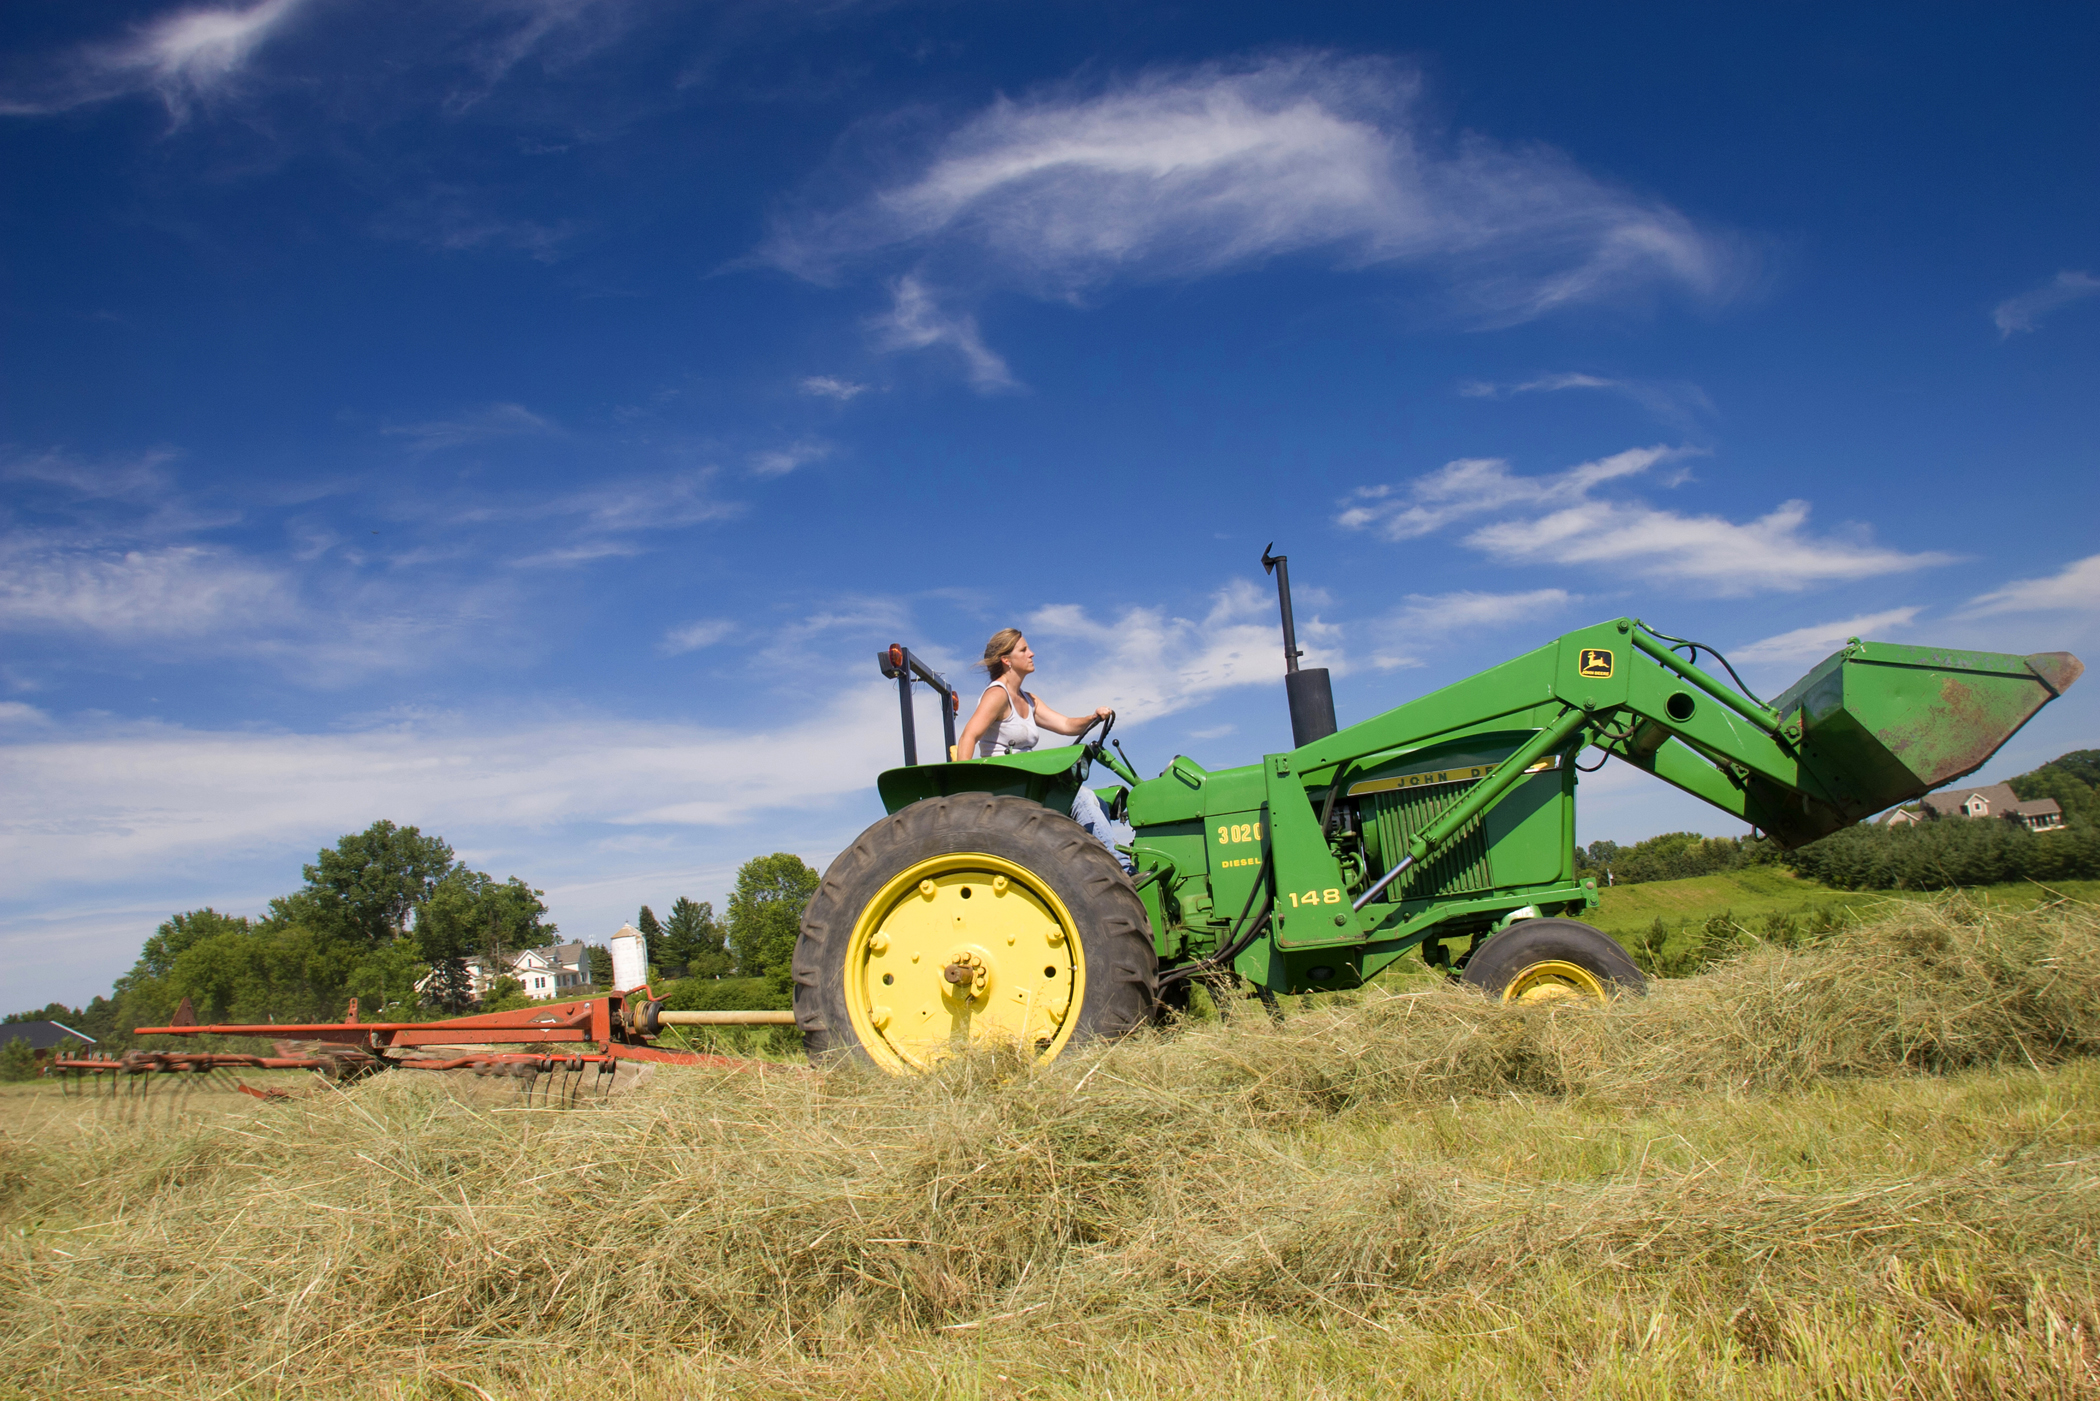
[1883,724]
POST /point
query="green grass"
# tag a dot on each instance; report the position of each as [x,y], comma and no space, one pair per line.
[1757,891]
[1864,1168]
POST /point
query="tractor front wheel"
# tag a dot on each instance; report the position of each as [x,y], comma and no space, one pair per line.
[971,920]
[1546,960]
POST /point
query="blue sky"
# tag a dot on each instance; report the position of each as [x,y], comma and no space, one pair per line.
[526,418]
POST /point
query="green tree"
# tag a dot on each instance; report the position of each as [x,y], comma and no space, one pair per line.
[1673,856]
[469,913]
[176,933]
[2070,779]
[695,944]
[17,1061]
[765,913]
[384,981]
[367,885]
[97,1019]
[599,957]
[2081,764]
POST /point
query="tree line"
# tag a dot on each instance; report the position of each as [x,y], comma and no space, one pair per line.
[391,917]
[1672,856]
[1937,853]
[1941,853]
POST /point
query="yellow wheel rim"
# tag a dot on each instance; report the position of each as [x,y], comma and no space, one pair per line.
[961,949]
[1555,980]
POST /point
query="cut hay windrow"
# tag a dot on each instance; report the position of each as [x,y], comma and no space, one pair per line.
[1695,1188]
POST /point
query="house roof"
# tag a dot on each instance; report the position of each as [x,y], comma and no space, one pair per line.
[1949,801]
[2000,798]
[570,955]
[42,1036]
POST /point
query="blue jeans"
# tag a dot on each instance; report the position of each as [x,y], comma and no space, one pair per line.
[1088,813]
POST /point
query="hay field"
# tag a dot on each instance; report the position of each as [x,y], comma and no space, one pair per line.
[1867,1168]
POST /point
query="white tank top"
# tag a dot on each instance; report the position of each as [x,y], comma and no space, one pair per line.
[1016,734]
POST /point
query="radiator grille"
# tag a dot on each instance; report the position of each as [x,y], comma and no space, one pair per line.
[1391,821]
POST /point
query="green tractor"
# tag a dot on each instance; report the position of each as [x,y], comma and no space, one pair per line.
[979,911]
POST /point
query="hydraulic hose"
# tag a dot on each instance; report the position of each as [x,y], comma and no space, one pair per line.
[1243,933]
[1697,648]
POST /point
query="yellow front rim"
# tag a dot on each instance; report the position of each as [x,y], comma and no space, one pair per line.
[1020,974]
[1554,980]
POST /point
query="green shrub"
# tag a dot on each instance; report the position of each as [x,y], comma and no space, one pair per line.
[17,1061]
[1673,856]
[1940,854]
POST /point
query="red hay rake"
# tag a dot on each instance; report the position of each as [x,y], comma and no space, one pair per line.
[570,1040]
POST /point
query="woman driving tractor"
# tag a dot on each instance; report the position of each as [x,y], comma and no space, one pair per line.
[1009,720]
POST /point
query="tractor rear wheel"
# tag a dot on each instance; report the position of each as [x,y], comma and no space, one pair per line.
[971,920]
[1547,960]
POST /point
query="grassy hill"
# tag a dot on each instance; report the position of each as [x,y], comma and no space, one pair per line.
[1755,892]
[1860,1168]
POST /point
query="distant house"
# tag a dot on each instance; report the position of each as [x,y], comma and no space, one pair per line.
[1991,800]
[554,971]
[45,1038]
[557,970]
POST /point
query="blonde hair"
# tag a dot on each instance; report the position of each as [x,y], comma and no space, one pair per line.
[1003,642]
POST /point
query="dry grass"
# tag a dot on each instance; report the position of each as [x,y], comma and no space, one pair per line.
[1862,1169]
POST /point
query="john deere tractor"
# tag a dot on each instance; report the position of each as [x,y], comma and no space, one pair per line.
[978,910]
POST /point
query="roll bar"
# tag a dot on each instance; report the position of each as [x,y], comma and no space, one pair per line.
[899,665]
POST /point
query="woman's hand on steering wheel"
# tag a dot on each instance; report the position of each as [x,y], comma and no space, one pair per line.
[1103,717]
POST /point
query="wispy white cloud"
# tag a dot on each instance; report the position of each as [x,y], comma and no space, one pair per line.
[143,796]
[1679,404]
[1148,664]
[580,552]
[171,603]
[115,503]
[202,53]
[460,220]
[185,57]
[832,387]
[650,503]
[1774,552]
[2024,312]
[691,637]
[476,426]
[139,595]
[141,478]
[1476,486]
[15,714]
[1819,640]
[1185,172]
[2073,589]
[1423,617]
[504,33]
[1559,519]
[778,462]
[916,322]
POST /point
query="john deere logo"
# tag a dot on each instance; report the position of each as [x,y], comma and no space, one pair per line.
[1595,662]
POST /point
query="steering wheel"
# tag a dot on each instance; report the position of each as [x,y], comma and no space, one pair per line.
[1108,723]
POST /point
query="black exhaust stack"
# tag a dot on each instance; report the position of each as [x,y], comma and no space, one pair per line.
[1310,693]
